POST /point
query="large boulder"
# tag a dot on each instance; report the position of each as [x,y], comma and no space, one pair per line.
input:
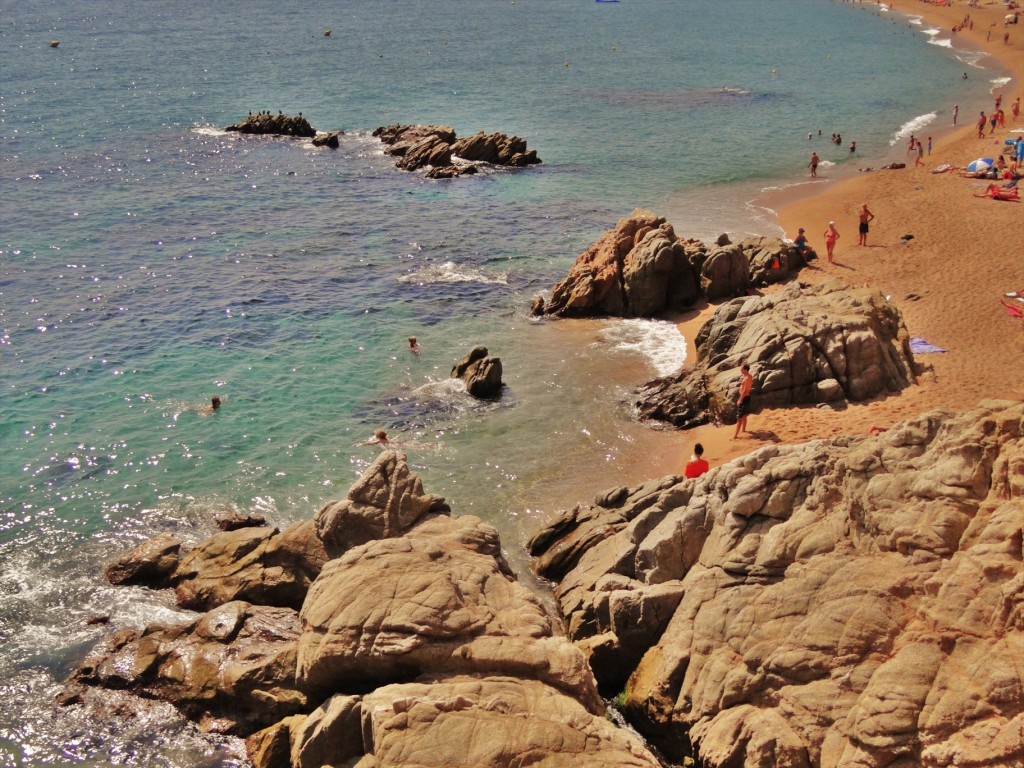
[279,124]
[804,345]
[480,372]
[437,600]
[256,564]
[640,268]
[845,602]
[385,502]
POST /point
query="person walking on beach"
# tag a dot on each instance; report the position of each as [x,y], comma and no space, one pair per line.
[981,125]
[956,111]
[743,400]
[1015,108]
[920,154]
[831,235]
[814,165]
[993,120]
[698,464]
[929,145]
[866,215]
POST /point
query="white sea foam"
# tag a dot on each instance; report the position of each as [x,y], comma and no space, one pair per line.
[450,272]
[912,126]
[209,130]
[657,340]
[942,42]
[999,82]
[932,31]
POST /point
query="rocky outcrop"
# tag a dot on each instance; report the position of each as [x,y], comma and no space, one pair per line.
[385,502]
[416,633]
[279,124]
[846,602]
[495,148]
[432,147]
[640,268]
[481,373]
[804,345]
[331,139]
[232,670]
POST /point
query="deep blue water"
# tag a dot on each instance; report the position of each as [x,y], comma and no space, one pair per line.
[148,261]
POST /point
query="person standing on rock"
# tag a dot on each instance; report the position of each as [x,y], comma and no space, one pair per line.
[743,400]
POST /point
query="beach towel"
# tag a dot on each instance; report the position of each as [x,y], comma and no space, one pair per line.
[1009,308]
[942,168]
[920,346]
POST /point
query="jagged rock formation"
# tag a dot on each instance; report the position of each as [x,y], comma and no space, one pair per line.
[481,373]
[283,125]
[640,268]
[330,139]
[804,344]
[414,633]
[849,602]
[433,146]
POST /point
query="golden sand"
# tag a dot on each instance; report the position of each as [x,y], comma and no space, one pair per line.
[966,254]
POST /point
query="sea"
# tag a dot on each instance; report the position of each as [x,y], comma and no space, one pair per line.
[150,260]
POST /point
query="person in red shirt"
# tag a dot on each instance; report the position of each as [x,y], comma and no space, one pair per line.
[697,466]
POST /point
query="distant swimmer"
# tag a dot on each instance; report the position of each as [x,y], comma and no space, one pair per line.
[414,345]
[214,403]
[380,437]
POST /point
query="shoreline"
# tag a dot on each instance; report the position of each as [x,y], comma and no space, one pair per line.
[965,255]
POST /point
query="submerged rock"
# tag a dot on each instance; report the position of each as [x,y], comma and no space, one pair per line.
[854,601]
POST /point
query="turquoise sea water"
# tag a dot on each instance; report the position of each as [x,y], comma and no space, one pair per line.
[149,260]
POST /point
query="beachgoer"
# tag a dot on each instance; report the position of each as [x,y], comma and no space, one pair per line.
[981,125]
[912,144]
[920,154]
[929,145]
[698,464]
[831,235]
[380,437]
[866,216]
[814,164]
[839,140]
[414,345]
[214,403]
[1001,118]
[853,146]
[800,243]
[965,75]
[993,119]
[810,136]
[956,111]
[743,400]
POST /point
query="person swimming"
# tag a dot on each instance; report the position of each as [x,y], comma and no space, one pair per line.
[380,437]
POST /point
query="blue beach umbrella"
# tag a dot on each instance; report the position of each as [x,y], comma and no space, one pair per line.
[981,164]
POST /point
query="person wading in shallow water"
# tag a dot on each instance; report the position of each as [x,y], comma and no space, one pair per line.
[743,400]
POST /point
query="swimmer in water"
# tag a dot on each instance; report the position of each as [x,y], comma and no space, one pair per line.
[414,345]
[380,437]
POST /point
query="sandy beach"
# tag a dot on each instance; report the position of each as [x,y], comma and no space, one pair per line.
[967,252]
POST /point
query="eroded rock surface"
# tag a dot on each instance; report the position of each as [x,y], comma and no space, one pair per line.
[848,602]
[640,268]
[480,371]
[804,345]
[414,639]
[432,147]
